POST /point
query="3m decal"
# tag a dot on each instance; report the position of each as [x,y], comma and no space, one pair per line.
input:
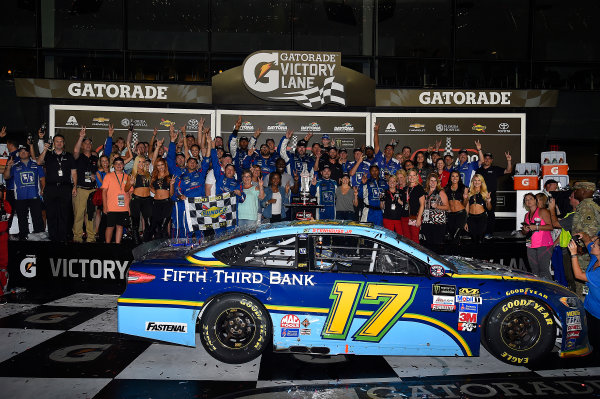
[465,317]
[393,300]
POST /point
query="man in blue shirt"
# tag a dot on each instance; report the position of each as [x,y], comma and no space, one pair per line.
[29,182]
[324,190]
[388,165]
[299,158]
[465,168]
[189,184]
[264,159]
[372,191]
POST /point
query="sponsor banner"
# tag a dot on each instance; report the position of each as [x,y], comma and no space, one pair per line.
[443,300]
[442,289]
[290,321]
[113,91]
[496,132]
[309,79]
[290,332]
[468,299]
[166,327]
[467,326]
[466,98]
[87,267]
[442,308]
[465,307]
[346,130]
[68,120]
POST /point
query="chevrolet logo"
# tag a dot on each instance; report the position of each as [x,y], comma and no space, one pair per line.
[416,125]
[101,119]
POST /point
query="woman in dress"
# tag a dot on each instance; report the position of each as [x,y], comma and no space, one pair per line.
[479,202]
[434,213]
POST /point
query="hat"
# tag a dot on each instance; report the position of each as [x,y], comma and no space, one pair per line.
[180,154]
[369,147]
[332,148]
[325,166]
[263,145]
[189,135]
[326,137]
[550,181]
[220,147]
[226,154]
[243,138]
[301,143]
[488,154]
[462,150]
[346,175]
[22,147]
[343,150]
[585,185]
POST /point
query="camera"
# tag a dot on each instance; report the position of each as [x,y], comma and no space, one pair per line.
[29,138]
[131,126]
[578,241]
[44,128]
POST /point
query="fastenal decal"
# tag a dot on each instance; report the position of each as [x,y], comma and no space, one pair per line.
[307,78]
[166,327]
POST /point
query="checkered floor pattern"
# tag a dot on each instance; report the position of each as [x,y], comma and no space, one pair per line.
[68,347]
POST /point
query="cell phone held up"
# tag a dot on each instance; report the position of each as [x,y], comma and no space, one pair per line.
[578,241]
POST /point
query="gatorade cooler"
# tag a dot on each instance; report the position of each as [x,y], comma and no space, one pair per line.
[554,163]
[526,176]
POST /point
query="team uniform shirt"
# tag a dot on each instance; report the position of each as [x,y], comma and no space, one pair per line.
[592,299]
[372,193]
[191,184]
[10,182]
[491,175]
[337,171]
[466,171]
[324,190]
[26,177]
[267,165]
[386,167]
[363,169]
[237,153]
[171,155]
[294,161]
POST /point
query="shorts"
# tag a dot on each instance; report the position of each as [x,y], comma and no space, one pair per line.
[117,218]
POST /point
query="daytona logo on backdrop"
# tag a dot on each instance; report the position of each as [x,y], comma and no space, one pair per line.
[278,127]
[311,127]
[307,78]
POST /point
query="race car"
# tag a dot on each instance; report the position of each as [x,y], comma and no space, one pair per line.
[339,287]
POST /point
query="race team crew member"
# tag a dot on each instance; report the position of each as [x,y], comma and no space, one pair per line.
[358,168]
[264,160]
[388,165]
[189,184]
[61,186]
[372,191]
[239,147]
[298,159]
[175,161]
[465,168]
[324,189]
[29,184]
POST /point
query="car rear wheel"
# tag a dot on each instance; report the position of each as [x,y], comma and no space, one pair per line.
[235,328]
[520,330]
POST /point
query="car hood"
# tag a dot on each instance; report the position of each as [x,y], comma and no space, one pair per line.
[475,266]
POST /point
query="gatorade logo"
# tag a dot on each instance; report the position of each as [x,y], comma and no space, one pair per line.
[526,182]
[554,170]
[27,266]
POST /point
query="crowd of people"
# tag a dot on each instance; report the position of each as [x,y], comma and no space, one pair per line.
[99,193]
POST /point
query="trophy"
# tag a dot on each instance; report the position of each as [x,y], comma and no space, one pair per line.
[304,184]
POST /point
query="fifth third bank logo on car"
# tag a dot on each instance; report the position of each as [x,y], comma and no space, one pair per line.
[310,79]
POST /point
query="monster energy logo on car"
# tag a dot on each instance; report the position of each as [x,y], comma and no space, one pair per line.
[311,79]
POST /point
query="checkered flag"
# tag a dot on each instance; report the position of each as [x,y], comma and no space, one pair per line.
[448,146]
[294,143]
[205,213]
[331,92]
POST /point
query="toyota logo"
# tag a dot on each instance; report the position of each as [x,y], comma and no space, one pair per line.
[504,126]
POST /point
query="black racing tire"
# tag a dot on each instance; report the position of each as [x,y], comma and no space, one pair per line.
[520,330]
[235,328]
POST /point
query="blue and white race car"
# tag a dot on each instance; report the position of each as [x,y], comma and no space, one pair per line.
[335,287]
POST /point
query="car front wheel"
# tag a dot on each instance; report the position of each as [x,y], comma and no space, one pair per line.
[235,328]
[520,330]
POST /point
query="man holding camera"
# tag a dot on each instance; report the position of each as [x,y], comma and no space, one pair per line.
[61,186]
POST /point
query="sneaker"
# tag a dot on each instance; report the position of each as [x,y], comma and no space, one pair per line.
[488,236]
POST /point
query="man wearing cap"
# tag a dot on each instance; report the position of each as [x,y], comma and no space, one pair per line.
[465,168]
[217,168]
[490,174]
[343,160]
[239,147]
[586,218]
[298,159]
[29,183]
[372,190]
[61,186]
[189,184]
[264,160]
[388,165]
[86,164]
[324,189]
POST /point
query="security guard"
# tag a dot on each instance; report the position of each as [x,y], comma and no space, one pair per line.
[585,220]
